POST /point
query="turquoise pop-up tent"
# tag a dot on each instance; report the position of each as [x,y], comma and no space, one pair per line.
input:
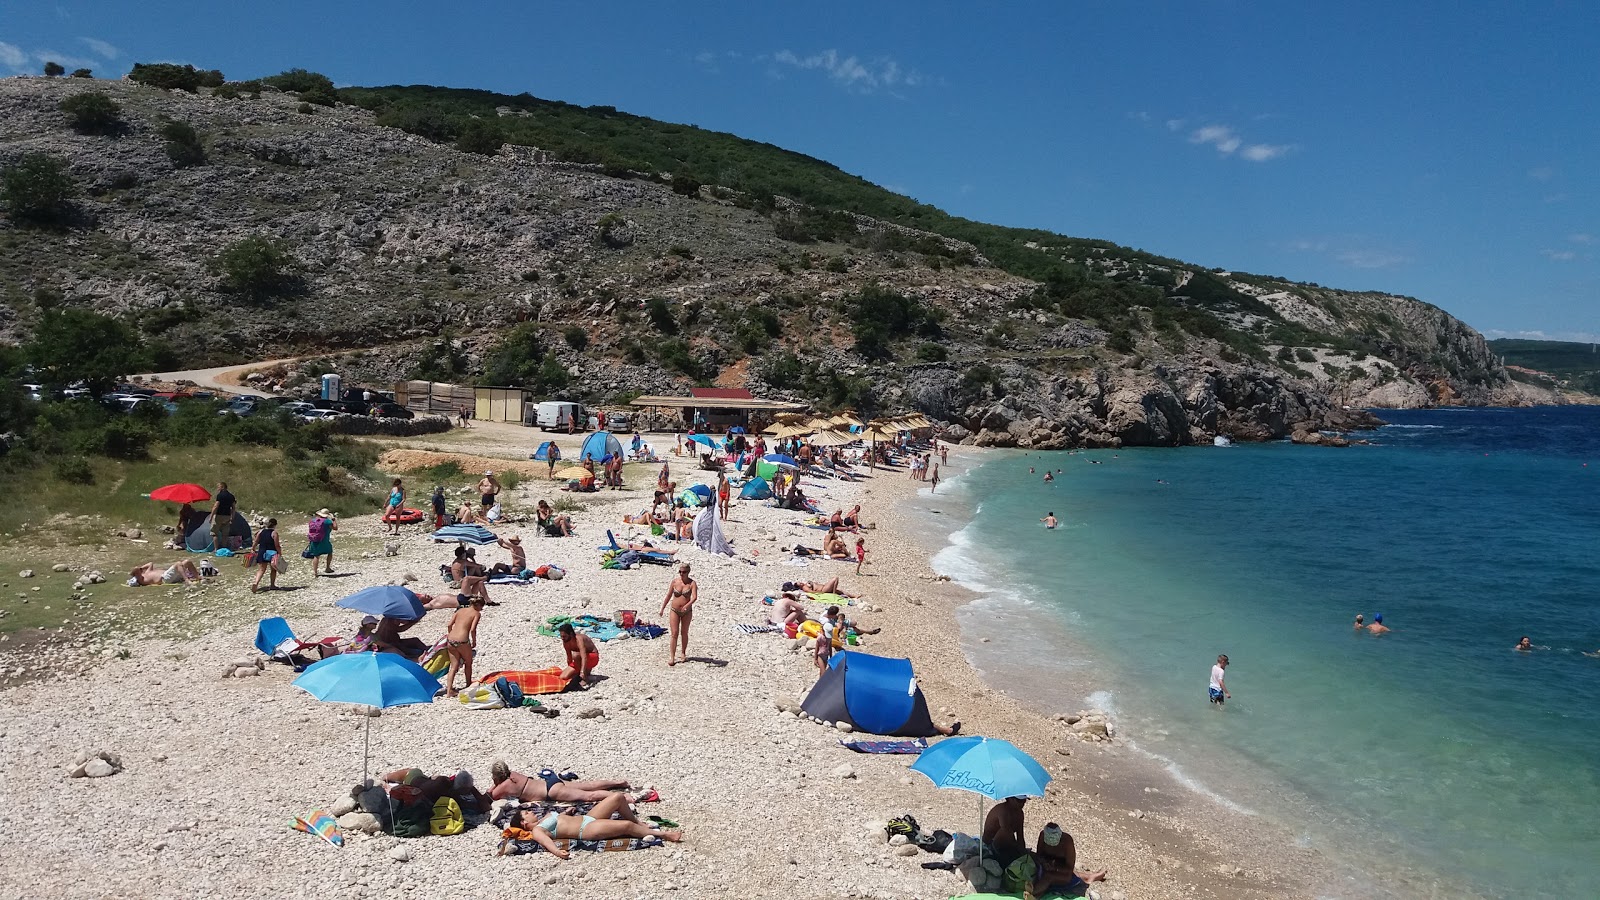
[596,446]
[755,489]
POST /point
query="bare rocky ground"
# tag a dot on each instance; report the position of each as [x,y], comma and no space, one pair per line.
[214,769]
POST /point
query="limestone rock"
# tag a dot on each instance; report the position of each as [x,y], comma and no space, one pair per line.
[907,850]
[363,822]
[25,573]
[844,771]
[60,567]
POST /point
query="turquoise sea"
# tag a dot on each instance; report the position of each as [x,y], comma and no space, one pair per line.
[1435,750]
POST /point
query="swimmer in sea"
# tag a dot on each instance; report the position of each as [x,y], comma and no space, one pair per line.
[1377,626]
[1360,622]
[1049,520]
[1048,477]
[1030,471]
[1525,645]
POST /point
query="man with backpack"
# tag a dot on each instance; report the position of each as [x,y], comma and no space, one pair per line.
[319,534]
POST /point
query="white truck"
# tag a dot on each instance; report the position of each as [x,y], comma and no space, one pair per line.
[559,415]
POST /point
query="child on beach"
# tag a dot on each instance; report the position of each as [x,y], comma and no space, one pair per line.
[861,554]
[1219,690]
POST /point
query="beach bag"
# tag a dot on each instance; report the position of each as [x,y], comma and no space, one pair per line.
[906,825]
[437,662]
[413,819]
[447,817]
[1019,876]
[510,694]
[481,696]
[317,529]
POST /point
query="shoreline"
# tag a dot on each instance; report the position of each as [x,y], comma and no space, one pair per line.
[772,805]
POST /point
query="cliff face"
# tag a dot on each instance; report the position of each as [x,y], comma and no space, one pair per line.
[408,252]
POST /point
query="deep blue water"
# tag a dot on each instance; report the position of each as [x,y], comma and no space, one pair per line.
[1436,747]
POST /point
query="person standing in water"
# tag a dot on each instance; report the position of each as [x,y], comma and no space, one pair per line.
[1219,689]
[1377,626]
[1360,622]
[1048,477]
[1049,520]
[935,480]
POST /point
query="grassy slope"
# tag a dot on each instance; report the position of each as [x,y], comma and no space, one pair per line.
[1578,363]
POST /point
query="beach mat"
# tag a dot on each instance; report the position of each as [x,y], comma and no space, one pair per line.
[756,629]
[542,681]
[512,844]
[908,748]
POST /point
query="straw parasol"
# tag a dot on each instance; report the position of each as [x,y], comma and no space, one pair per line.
[574,472]
[789,430]
[830,438]
[877,432]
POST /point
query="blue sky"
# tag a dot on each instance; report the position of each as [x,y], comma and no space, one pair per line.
[1445,150]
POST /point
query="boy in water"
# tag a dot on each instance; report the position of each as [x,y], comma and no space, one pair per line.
[1049,520]
[1219,690]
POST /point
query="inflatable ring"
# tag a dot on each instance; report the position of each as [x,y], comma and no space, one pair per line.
[405,516]
[811,628]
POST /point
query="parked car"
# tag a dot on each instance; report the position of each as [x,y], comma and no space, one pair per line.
[554,415]
[348,407]
[320,415]
[297,407]
[241,406]
[619,421]
[392,411]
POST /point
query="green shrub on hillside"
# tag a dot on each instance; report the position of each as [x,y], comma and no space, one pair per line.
[257,266]
[661,316]
[481,136]
[932,353]
[71,345]
[576,337]
[879,316]
[93,113]
[313,87]
[175,77]
[674,355]
[183,146]
[38,189]
[53,69]
[82,73]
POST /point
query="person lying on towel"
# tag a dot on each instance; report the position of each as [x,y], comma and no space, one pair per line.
[458,787]
[549,787]
[596,826]
[582,656]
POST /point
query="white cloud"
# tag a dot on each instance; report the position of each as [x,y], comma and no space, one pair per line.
[66,59]
[1356,251]
[1264,152]
[1559,255]
[12,57]
[851,72]
[1581,238]
[101,48]
[1219,136]
[1541,173]
[1175,124]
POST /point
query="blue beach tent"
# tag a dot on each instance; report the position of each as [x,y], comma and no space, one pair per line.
[543,453]
[597,445]
[875,694]
[755,489]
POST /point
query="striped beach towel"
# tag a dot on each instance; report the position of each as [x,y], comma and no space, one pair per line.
[755,629]
[902,747]
[320,824]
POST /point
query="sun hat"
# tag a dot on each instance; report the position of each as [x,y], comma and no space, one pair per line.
[369,620]
[489,473]
[324,513]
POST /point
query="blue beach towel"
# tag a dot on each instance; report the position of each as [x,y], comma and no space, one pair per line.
[909,748]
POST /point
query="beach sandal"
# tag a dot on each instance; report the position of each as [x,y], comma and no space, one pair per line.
[650,795]
[660,822]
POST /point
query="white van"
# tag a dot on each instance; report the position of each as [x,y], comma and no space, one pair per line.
[557,415]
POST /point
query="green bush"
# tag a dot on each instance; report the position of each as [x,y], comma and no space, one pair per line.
[932,353]
[576,337]
[93,113]
[837,264]
[53,69]
[661,316]
[82,73]
[880,316]
[73,344]
[750,337]
[174,77]
[73,470]
[38,189]
[1120,340]
[184,146]
[686,185]
[481,136]
[1305,355]
[313,87]
[674,355]
[257,266]
[305,109]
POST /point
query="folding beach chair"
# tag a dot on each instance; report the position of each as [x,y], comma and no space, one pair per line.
[277,641]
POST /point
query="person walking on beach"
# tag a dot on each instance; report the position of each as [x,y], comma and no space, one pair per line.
[397,502]
[1049,520]
[552,457]
[266,554]
[222,509]
[488,488]
[861,554]
[438,507]
[681,596]
[1219,690]
[461,641]
[319,534]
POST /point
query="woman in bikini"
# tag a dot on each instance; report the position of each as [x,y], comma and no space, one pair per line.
[664,479]
[833,545]
[548,787]
[461,640]
[681,595]
[597,825]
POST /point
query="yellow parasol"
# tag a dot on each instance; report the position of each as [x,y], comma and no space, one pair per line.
[574,472]
[789,430]
[830,438]
[877,432]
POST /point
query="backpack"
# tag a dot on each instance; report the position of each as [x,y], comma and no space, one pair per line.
[510,694]
[413,819]
[447,818]
[1019,876]
[317,530]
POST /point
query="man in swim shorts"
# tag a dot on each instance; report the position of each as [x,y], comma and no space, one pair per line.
[1219,690]
[1057,858]
[1049,520]
[582,656]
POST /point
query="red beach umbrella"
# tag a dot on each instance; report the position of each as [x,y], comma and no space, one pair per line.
[180,493]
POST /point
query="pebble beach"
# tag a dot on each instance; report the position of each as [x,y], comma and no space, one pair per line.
[213,767]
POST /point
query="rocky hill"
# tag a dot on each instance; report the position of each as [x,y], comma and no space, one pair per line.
[409,257]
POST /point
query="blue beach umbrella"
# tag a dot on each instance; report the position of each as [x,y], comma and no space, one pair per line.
[737,429]
[705,439]
[385,600]
[467,534]
[781,459]
[382,680]
[988,767]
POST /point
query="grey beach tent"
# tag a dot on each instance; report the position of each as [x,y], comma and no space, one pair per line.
[199,539]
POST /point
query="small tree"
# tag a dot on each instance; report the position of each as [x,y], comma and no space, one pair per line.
[481,136]
[661,316]
[93,113]
[576,337]
[685,184]
[37,188]
[173,77]
[53,69]
[313,87]
[257,266]
[72,345]
[184,146]
[82,73]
